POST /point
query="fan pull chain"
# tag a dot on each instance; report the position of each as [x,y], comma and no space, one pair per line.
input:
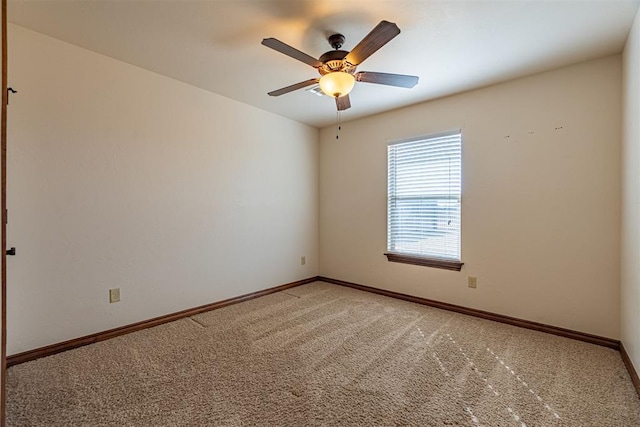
[338,119]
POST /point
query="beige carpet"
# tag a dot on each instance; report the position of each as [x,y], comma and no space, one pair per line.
[322,354]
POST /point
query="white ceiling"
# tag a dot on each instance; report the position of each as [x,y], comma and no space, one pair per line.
[452,46]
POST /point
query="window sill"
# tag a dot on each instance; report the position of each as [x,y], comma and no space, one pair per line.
[426,262]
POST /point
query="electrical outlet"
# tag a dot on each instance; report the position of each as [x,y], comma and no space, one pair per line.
[114,295]
[303,260]
[473,282]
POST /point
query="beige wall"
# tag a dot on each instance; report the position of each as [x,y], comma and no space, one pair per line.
[124,178]
[540,205]
[630,288]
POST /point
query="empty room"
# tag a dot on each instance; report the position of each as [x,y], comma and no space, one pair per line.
[320,213]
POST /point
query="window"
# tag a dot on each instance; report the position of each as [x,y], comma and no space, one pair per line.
[423,215]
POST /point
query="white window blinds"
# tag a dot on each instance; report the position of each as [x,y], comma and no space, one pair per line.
[423,216]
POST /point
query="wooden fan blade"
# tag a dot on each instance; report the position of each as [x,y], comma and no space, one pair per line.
[293,87]
[399,80]
[281,47]
[343,102]
[378,37]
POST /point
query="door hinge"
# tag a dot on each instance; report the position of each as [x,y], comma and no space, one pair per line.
[9,91]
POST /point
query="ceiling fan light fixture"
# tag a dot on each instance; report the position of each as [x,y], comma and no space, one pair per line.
[337,84]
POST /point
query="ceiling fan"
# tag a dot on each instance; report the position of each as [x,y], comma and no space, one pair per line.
[338,67]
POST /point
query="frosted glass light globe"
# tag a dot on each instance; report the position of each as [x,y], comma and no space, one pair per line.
[337,84]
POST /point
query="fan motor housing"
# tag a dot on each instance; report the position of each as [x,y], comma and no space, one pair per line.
[333,61]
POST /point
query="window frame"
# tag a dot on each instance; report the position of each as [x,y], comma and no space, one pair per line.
[425,260]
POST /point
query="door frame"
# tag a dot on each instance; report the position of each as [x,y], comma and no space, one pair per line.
[3,225]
